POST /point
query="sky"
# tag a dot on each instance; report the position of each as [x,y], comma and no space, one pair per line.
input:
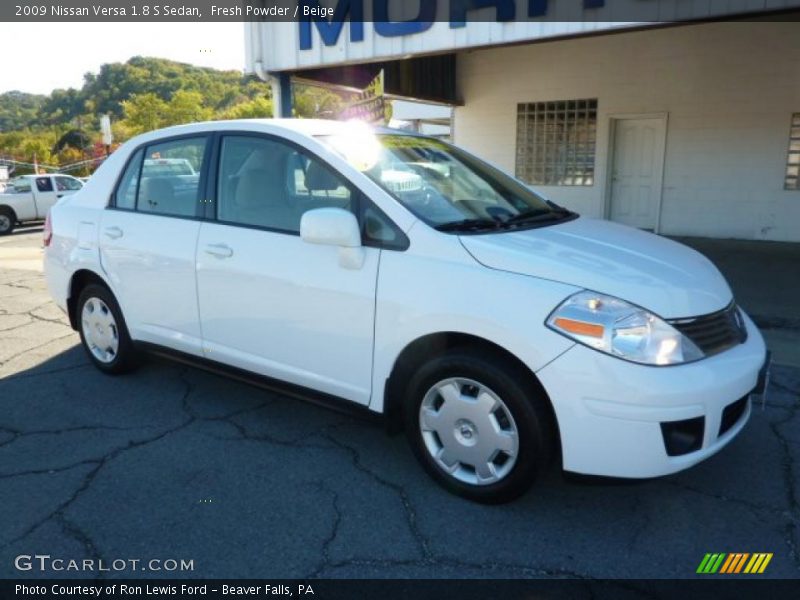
[47,56]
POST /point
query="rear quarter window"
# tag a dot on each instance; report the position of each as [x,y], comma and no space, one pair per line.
[125,196]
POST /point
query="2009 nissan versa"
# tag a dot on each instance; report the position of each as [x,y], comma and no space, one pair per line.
[405,276]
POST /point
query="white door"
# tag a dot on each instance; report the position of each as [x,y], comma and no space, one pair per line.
[148,242]
[46,195]
[269,302]
[637,171]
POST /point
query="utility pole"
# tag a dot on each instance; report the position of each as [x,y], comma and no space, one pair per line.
[108,136]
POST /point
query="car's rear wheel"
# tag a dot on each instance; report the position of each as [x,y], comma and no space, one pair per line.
[103,332]
[478,425]
[7,220]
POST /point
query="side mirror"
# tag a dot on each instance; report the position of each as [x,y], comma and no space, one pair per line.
[334,227]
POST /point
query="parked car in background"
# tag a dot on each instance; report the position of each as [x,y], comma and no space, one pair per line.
[29,197]
[404,276]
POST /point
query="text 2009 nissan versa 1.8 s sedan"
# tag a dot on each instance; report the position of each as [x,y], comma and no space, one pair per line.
[404,275]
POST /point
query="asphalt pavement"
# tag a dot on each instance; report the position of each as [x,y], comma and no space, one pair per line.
[173,463]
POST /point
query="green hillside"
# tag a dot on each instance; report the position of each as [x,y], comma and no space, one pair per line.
[140,94]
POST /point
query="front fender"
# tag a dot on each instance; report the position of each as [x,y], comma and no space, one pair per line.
[506,309]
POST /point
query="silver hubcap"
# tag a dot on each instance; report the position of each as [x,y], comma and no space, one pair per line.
[5,223]
[100,330]
[469,431]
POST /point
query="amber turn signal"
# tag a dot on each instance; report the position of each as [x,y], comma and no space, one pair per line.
[579,327]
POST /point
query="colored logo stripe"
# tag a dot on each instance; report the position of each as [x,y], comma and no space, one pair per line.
[734,562]
[710,563]
[758,563]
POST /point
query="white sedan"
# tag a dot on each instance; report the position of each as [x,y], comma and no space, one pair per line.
[400,275]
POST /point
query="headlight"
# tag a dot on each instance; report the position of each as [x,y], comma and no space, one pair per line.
[621,329]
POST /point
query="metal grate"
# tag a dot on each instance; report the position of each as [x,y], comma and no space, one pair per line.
[793,159]
[715,332]
[556,142]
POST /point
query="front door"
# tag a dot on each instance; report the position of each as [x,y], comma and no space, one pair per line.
[269,302]
[46,195]
[637,170]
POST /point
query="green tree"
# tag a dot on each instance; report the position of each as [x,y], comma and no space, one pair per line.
[144,112]
[19,110]
[37,148]
[185,107]
[257,108]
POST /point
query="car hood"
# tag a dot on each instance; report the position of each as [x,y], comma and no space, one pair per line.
[663,276]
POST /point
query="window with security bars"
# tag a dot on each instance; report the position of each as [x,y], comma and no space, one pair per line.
[556,142]
[793,159]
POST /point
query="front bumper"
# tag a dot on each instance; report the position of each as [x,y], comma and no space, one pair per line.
[611,413]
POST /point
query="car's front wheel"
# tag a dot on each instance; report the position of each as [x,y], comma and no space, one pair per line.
[478,425]
[103,332]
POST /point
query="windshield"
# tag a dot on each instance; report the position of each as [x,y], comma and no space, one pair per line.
[443,185]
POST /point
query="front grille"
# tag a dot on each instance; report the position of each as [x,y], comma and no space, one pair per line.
[715,332]
[732,413]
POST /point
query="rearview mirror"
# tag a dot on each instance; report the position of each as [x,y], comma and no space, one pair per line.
[334,227]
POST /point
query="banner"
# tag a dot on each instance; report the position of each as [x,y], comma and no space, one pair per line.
[369,105]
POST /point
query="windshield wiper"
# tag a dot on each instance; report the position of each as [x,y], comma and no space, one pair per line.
[538,214]
[469,225]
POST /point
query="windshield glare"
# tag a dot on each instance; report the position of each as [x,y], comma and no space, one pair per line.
[438,182]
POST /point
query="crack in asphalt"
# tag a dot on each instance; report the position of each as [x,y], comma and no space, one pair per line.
[787,468]
[33,318]
[72,530]
[19,434]
[411,513]
[90,476]
[754,508]
[23,352]
[326,560]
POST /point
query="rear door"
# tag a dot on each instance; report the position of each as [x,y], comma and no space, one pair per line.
[270,302]
[147,242]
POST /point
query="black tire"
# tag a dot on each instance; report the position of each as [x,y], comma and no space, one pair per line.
[530,410]
[8,220]
[125,358]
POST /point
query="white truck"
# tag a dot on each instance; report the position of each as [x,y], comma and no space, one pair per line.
[29,197]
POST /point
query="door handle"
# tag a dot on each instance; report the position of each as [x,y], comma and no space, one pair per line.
[219,250]
[60,195]
[114,233]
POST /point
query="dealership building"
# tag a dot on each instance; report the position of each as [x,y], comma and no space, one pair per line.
[676,116]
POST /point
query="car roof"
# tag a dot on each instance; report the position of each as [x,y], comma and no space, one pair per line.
[32,175]
[307,127]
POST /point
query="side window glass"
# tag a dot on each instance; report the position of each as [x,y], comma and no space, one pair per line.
[377,229]
[44,184]
[266,183]
[67,184]
[170,178]
[125,196]
[309,178]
